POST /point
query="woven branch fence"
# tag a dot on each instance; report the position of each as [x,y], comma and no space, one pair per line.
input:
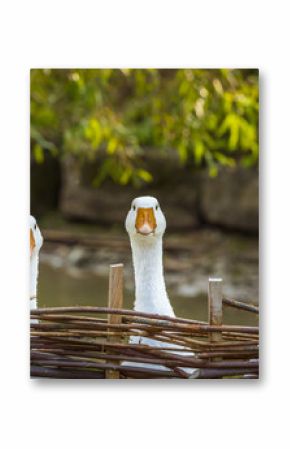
[94,342]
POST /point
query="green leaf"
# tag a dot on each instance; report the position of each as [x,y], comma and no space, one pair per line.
[93,132]
[213,171]
[112,145]
[234,133]
[145,175]
[182,151]
[199,151]
[38,153]
[126,175]
[224,160]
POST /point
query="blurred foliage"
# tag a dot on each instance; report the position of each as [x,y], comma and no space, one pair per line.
[210,117]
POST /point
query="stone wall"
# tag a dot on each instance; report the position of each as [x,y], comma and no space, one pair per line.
[231,199]
[189,199]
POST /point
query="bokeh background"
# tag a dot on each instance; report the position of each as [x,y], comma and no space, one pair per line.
[100,137]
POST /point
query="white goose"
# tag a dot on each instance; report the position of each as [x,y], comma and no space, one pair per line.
[36,241]
[146,224]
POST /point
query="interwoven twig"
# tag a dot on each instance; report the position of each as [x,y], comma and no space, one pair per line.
[72,342]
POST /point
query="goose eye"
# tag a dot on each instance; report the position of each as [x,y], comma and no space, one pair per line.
[157,207]
[35,226]
[134,207]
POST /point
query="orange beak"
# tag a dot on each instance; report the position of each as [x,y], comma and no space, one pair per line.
[32,242]
[145,221]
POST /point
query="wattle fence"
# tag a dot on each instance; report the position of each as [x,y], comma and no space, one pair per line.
[94,342]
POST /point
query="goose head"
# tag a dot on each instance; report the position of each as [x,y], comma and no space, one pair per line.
[145,220]
[36,239]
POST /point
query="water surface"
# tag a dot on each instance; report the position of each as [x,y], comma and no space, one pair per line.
[61,287]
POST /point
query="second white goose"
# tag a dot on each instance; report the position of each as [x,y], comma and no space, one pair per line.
[36,241]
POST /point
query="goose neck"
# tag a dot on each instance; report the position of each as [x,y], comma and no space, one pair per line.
[150,290]
[33,275]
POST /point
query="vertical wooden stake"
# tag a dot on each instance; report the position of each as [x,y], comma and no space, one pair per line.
[115,301]
[215,306]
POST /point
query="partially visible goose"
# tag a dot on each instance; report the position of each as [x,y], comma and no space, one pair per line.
[146,224]
[36,241]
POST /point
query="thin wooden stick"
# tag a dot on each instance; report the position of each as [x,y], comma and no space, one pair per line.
[240,305]
[177,323]
[215,307]
[115,301]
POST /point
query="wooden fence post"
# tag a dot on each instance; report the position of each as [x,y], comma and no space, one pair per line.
[115,301]
[215,306]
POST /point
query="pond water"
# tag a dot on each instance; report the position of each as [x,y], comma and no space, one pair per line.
[61,287]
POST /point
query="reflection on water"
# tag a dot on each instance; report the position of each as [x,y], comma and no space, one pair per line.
[58,288]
